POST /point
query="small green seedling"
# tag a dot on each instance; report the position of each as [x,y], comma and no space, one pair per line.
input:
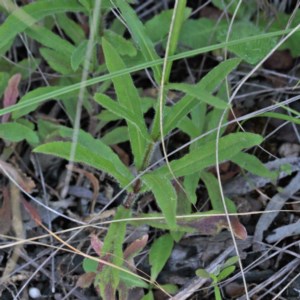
[220,274]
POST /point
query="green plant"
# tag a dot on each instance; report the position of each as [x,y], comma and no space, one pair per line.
[143,141]
[197,113]
[108,282]
[219,275]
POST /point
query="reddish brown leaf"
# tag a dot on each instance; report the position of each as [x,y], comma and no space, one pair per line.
[238,228]
[5,212]
[85,280]
[122,154]
[135,247]
[32,211]
[96,244]
[11,94]
[212,225]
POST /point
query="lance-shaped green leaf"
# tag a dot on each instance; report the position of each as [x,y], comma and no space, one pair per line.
[116,136]
[128,97]
[215,77]
[214,193]
[78,55]
[30,14]
[187,126]
[122,45]
[58,61]
[205,156]
[190,184]
[165,196]
[281,116]
[71,28]
[199,94]
[123,112]
[16,132]
[208,83]
[51,131]
[85,155]
[213,189]
[252,164]
[126,91]
[139,35]
[49,39]
[132,281]
[159,253]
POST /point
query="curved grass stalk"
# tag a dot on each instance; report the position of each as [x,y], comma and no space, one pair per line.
[102,78]
[218,137]
[218,167]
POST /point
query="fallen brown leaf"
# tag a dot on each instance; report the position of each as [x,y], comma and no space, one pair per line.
[85,280]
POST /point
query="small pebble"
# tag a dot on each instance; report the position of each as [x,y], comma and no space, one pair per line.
[34,293]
